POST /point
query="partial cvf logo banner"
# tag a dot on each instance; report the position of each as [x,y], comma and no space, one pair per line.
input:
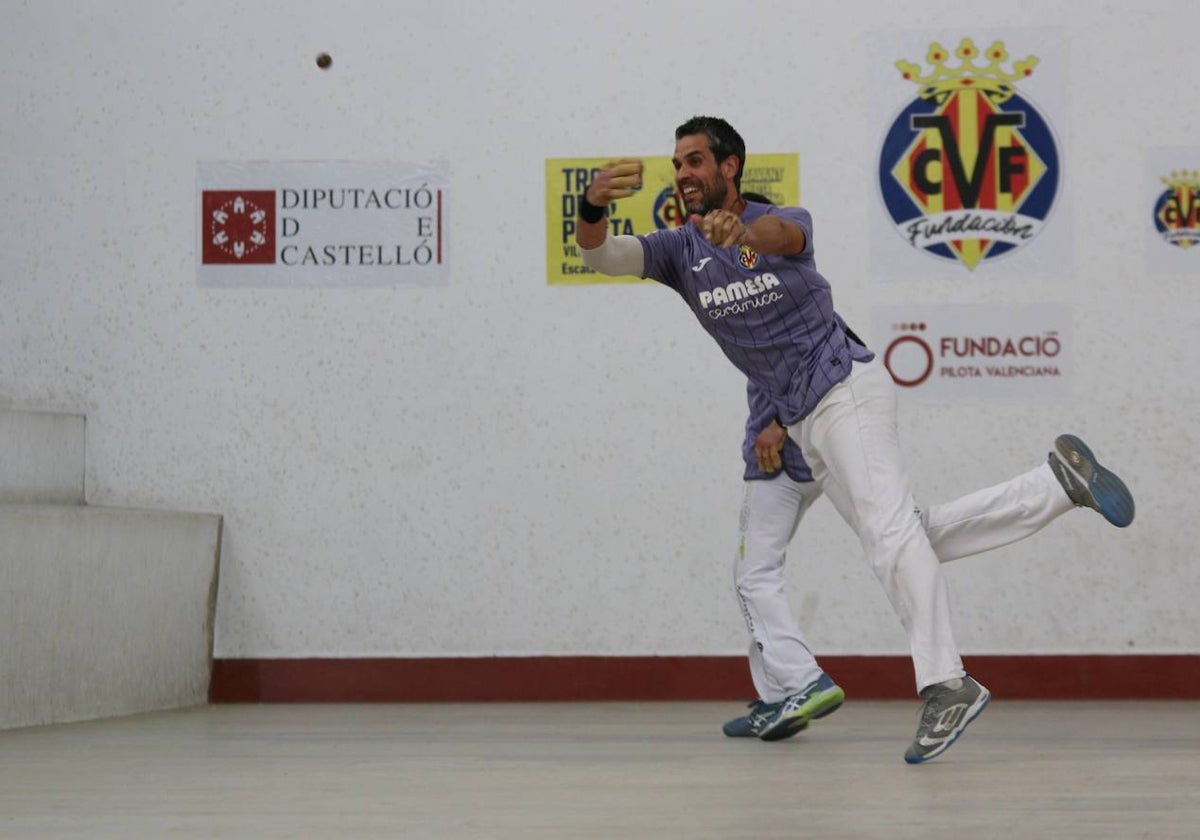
[969,167]
[1173,196]
[321,223]
[941,354]
[775,177]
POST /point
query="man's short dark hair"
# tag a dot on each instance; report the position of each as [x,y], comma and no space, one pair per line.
[722,139]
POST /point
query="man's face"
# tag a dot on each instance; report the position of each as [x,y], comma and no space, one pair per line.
[698,177]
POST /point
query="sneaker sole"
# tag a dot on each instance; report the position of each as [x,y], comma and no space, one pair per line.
[818,706]
[1108,493]
[972,713]
[787,729]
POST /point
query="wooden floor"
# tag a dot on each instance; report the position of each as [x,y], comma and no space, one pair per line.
[602,770]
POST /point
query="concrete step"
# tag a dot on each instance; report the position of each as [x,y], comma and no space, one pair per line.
[41,458]
[104,611]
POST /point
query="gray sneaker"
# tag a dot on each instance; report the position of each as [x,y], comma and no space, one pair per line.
[945,715]
[1088,484]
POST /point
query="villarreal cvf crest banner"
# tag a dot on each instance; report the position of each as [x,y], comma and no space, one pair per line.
[969,166]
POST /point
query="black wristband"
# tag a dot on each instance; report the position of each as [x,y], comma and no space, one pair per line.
[590,212]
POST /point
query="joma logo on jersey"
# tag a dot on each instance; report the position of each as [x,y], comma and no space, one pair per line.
[969,170]
[739,290]
[1177,211]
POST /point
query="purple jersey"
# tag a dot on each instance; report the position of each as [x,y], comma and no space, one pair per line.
[762,412]
[772,315]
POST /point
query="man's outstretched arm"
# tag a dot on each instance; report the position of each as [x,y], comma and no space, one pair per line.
[615,255]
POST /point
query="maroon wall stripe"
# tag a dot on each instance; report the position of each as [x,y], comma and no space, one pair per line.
[557,678]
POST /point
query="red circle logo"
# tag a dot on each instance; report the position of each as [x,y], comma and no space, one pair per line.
[912,381]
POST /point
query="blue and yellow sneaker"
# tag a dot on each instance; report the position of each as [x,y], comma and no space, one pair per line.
[789,716]
[747,725]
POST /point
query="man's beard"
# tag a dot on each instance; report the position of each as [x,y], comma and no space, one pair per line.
[712,197]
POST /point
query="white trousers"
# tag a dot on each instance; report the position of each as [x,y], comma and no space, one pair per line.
[850,441]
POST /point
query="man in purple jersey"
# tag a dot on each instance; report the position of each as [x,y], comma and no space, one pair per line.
[779,489]
[748,273]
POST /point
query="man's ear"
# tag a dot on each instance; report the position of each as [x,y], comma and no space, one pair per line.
[729,167]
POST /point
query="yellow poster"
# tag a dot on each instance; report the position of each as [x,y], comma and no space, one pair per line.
[653,207]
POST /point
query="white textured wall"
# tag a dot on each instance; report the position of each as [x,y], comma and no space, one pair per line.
[502,467]
[41,458]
